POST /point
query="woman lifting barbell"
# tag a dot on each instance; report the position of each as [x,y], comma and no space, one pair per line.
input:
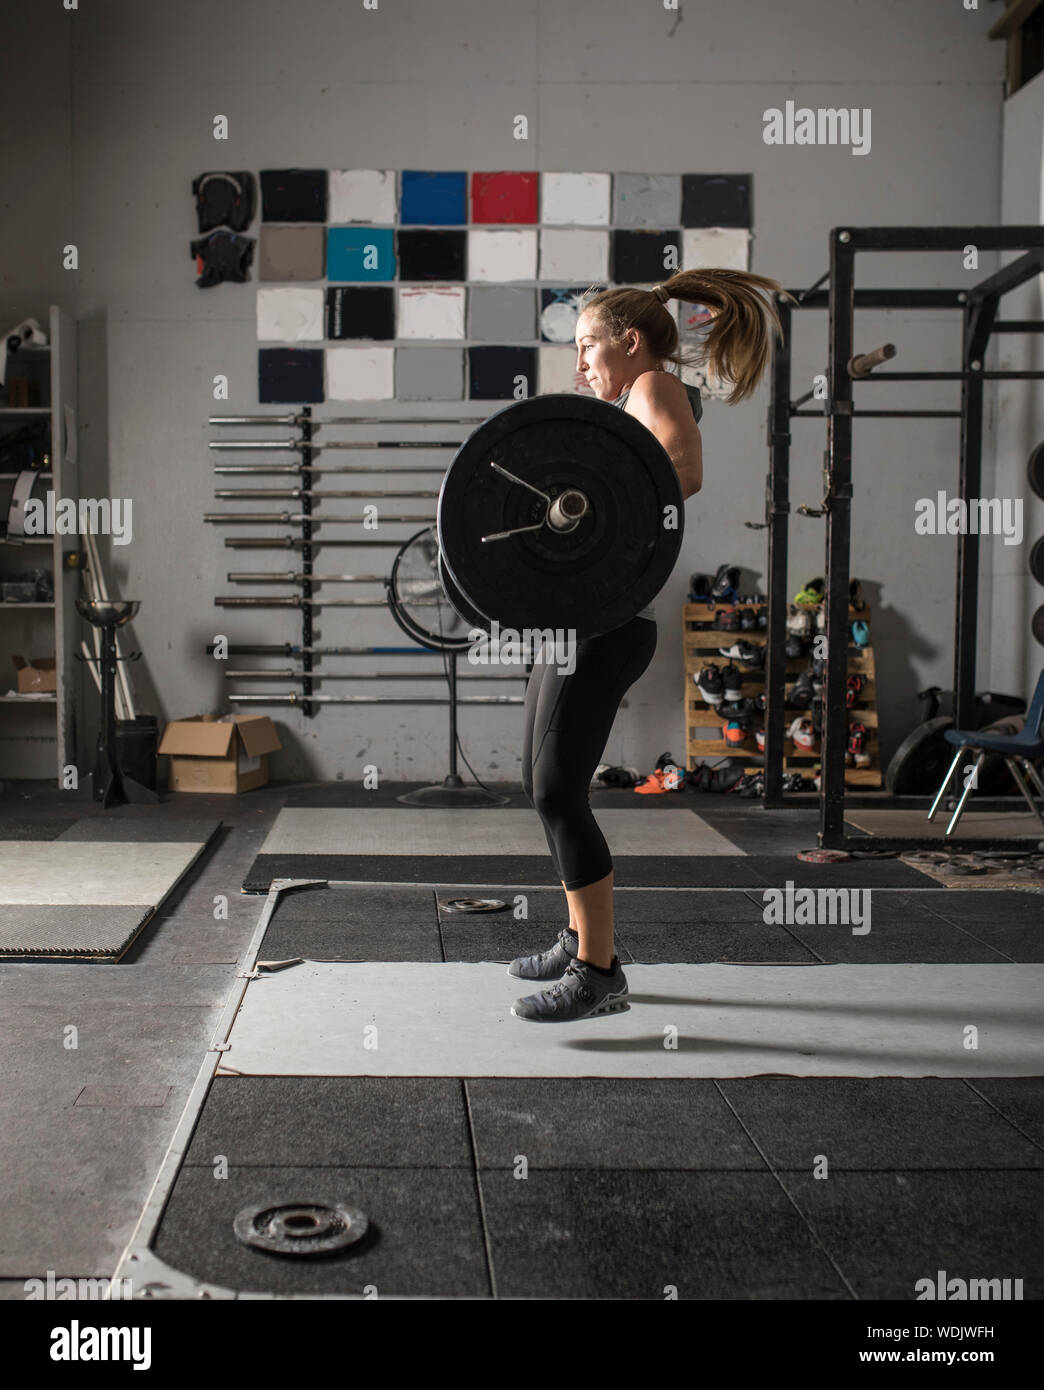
[624,338]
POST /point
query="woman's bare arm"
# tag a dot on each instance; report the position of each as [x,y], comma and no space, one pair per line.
[659,401]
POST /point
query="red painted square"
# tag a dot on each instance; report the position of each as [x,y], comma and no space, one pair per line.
[504,197]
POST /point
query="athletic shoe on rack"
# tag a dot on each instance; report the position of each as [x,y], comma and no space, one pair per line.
[712,687]
[795,647]
[699,587]
[802,733]
[735,732]
[856,752]
[747,653]
[726,620]
[735,708]
[855,595]
[853,689]
[723,587]
[801,693]
[860,633]
[732,679]
[811,594]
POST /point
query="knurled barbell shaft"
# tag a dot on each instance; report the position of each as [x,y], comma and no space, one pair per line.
[265,494]
[299,445]
[314,517]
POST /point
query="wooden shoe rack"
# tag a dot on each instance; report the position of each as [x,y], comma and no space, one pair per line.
[700,643]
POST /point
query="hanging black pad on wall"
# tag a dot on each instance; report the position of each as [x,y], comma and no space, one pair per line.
[225,199]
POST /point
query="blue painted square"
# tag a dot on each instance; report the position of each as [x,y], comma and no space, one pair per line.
[434,199]
[360,253]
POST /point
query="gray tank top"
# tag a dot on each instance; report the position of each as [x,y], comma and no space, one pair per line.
[696,401]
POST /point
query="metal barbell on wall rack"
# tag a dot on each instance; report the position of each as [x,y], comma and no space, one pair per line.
[263,494]
[292,698]
[315,518]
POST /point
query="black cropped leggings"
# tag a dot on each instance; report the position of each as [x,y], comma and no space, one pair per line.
[568,721]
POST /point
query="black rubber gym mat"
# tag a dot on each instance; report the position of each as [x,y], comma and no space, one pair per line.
[367,922]
[386,922]
[628,1186]
[674,871]
[33,828]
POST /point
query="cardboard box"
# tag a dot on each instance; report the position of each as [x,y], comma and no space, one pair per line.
[38,677]
[219,755]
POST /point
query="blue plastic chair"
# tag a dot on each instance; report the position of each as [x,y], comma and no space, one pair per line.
[1020,749]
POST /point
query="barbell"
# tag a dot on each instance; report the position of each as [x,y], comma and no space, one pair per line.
[559,512]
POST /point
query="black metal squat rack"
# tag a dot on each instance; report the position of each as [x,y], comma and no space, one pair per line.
[979,307]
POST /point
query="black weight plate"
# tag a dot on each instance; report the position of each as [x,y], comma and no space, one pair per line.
[1038,625]
[1036,560]
[1035,470]
[919,764]
[461,606]
[299,1228]
[591,579]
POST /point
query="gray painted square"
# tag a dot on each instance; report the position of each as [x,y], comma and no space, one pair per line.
[497,314]
[647,200]
[429,374]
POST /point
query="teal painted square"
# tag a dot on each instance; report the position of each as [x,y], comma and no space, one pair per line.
[360,253]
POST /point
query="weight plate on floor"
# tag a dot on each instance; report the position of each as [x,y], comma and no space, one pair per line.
[1038,625]
[299,1228]
[473,905]
[618,553]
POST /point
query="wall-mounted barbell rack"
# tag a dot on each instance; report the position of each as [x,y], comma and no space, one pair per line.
[300,490]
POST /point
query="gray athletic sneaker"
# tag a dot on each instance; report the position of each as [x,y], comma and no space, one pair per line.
[581,993]
[549,965]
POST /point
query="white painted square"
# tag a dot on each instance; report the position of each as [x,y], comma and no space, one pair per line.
[575,199]
[716,248]
[558,372]
[289,315]
[360,374]
[361,195]
[495,256]
[431,312]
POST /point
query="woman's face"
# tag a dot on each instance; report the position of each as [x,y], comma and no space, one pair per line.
[606,365]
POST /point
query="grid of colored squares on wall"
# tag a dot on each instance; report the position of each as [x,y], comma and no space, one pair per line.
[423,285]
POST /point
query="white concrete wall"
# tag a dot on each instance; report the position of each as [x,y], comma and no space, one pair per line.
[619,85]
